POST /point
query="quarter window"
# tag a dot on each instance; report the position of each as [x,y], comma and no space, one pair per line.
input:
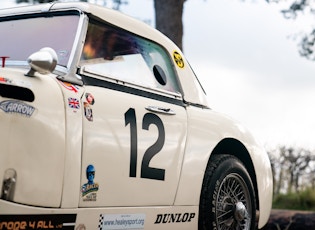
[114,53]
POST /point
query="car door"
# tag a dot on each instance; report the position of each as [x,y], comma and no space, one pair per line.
[134,126]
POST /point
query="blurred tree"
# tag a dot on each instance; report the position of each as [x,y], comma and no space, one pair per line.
[168,19]
[289,166]
[277,161]
[273,162]
[306,39]
[118,3]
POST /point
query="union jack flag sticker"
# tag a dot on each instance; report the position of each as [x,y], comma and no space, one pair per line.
[73,103]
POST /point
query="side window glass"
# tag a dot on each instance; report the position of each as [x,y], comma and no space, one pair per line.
[120,55]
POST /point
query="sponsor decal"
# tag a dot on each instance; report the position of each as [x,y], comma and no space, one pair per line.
[88,111]
[70,86]
[73,103]
[121,221]
[89,98]
[13,106]
[89,189]
[53,221]
[87,106]
[178,59]
[174,218]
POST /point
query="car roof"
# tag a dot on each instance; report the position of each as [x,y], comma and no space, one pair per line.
[192,94]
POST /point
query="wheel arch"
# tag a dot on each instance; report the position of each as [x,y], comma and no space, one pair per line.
[235,148]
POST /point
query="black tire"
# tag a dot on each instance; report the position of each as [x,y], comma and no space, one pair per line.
[227,198]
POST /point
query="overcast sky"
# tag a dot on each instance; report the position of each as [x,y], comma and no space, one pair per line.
[251,70]
[248,66]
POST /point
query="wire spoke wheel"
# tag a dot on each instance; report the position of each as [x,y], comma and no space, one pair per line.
[232,204]
[227,200]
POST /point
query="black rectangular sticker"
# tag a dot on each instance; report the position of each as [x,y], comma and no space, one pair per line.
[53,221]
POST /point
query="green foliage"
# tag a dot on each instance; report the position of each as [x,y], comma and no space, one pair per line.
[304,200]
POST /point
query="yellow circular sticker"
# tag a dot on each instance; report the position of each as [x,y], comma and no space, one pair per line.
[178,59]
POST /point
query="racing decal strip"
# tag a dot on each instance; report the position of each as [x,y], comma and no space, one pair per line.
[122,88]
[50,221]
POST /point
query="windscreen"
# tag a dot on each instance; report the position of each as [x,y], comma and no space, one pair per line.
[23,35]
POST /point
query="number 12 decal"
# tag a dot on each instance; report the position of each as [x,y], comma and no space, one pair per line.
[146,170]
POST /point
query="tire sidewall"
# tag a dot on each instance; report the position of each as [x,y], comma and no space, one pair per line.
[227,166]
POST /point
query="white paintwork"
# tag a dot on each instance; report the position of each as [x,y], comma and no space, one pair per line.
[51,149]
[35,146]
[106,145]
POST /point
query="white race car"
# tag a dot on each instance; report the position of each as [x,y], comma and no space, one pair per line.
[103,125]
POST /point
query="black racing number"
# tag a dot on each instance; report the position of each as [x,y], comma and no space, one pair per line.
[146,170]
[130,118]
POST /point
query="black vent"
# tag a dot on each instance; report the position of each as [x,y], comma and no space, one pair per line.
[16,92]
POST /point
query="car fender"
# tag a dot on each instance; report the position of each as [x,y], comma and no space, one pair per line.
[33,143]
[206,129]
[74,109]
